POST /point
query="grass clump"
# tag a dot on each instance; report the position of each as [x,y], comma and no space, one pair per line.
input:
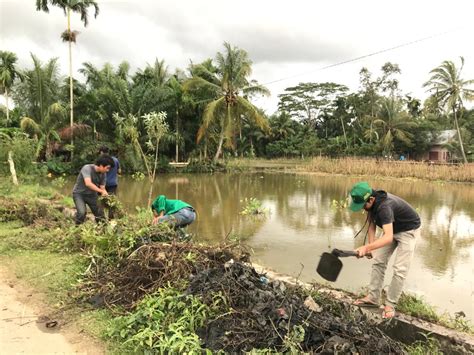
[252,206]
[458,322]
[422,347]
[415,306]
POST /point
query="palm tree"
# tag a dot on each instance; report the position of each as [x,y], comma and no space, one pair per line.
[45,131]
[450,90]
[149,87]
[39,95]
[179,100]
[394,124]
[40,88]
[78,6]
[108,91]
[228,88]
[281,126]
[8,74]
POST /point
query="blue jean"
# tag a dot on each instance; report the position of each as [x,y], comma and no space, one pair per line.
[184,217]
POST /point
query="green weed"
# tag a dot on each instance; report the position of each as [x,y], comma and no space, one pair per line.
[252,206]
[341,204]
[164,322]
[138,176]
[426,346]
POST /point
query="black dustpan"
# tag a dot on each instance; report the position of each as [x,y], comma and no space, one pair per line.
[330,266]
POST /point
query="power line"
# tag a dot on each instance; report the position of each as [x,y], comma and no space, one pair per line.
[364,56]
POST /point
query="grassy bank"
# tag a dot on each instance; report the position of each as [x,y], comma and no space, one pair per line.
[52,274]
[364,167]
[142,289]
[416,307]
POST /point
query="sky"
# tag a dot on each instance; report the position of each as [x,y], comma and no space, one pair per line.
[288,41]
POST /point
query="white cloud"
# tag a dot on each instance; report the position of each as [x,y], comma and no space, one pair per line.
[284,39]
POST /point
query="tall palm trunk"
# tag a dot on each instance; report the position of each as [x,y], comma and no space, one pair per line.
[459,135]
[221,139]
[6,103]
[70,78]
[177,135]
[372,114]
[219,147]
[344,131]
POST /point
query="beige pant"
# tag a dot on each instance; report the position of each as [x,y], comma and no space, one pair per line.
[404,243]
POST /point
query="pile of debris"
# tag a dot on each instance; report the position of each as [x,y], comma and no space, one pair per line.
[153,266]
[264,314]
[272,315]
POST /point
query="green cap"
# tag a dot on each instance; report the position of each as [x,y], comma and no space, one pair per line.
[360,193]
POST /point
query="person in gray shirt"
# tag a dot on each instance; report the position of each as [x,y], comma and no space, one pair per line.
[89,184]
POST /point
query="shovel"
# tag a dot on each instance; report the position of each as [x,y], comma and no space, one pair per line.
[330,266]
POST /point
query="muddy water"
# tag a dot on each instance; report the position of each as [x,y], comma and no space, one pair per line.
[302,222]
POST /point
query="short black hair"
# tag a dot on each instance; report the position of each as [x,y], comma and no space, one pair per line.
[104,149]
[105,160]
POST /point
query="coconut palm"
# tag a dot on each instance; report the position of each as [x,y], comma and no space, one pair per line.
[8,74]
[78,6]
[38,94]
[281,126]
[394,124]
[450,90]
[228,88]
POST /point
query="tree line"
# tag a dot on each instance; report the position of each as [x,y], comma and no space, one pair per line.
[209,113]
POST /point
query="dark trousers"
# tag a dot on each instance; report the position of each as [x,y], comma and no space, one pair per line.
[111,190]
[81,200]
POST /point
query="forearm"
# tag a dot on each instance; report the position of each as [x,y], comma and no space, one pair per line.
[93,187]
[371,232]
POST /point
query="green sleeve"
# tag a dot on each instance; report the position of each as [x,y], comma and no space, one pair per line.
[159,204]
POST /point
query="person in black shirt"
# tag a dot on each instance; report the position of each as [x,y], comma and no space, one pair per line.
[401,228]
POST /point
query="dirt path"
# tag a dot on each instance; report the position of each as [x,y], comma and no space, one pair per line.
[24,329]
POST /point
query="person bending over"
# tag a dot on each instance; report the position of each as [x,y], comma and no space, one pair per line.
[89,185]
[400,224]
[175,212]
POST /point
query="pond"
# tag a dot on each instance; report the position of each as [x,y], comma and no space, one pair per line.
[302,222]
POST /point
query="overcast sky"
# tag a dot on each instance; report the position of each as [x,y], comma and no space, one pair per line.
[288,41]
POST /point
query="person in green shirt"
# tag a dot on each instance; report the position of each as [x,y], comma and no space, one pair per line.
[175,212]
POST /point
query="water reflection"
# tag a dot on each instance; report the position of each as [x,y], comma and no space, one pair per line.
[302,224]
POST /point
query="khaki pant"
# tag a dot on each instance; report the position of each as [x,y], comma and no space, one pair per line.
[404,243]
